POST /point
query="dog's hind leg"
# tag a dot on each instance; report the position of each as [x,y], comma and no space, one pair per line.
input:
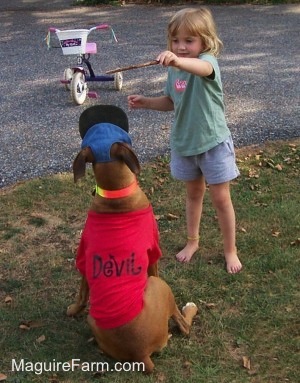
[79,306]
[116,344]
[148,365]
[184,319]
[153,270]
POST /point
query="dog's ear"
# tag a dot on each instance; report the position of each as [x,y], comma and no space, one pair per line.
[123,152]
[79,164]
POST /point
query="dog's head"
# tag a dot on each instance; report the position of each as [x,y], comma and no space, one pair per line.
[104,132]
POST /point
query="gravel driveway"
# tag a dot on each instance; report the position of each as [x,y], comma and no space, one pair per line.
[39,123]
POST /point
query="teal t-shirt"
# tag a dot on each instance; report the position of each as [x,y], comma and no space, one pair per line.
[199,123]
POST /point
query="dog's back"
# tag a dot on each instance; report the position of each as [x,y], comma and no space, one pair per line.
[114,255]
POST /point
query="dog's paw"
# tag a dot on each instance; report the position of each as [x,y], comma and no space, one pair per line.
[74,309]
[190,305]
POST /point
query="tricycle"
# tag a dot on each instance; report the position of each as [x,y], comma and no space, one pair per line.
[76,78]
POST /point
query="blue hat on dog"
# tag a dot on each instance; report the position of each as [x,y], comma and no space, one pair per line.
[101,126]
[101,137]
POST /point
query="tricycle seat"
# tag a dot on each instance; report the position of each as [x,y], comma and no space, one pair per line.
[91,48]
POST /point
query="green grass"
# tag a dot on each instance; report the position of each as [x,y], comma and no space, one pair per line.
[247,328]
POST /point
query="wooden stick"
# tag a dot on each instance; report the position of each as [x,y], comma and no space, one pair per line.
[132,67]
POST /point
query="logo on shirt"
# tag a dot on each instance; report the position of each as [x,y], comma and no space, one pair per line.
[113,268]
[180,85]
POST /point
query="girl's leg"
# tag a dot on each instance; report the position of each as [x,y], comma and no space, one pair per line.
[220,196]
[195,191]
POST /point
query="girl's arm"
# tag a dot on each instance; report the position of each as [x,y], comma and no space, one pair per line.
[161,103]
[195,66]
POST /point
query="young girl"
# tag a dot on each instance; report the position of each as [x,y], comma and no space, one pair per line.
[201,144]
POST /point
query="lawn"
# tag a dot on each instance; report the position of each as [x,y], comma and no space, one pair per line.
[247,328]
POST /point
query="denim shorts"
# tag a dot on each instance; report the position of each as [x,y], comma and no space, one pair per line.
[217,165]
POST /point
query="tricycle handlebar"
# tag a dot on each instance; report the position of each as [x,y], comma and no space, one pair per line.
[102,26]
[52,29]
[98,27]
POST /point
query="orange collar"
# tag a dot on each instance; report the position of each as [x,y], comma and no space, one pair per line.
[120,193]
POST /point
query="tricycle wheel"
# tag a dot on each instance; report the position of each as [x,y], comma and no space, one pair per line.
[67,76]
[78,88]
[118,80]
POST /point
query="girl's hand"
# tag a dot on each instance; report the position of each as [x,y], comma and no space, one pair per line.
[168,58]
[192,65]
[161,103]
[136,101]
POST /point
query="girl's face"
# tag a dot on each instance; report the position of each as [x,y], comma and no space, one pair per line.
[185,45]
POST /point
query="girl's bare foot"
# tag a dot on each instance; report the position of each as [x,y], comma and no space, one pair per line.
[233,264]
[186,254]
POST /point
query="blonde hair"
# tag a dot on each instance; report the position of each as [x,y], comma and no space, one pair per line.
[198,22]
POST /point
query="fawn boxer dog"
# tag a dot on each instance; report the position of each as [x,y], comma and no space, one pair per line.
[129,305]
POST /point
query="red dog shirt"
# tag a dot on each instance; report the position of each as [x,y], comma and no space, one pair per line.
[114,254]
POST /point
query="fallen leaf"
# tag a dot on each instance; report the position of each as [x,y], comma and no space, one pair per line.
[35,324]
[27,325]
[208,305]
[24,327]
[253,173]
[246,362]
[41,339]
[278,167]
[8,299]
[171,216]
[2,377]
[243,230]
[296,243]
[275,234]
[187,364]
[261,204]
